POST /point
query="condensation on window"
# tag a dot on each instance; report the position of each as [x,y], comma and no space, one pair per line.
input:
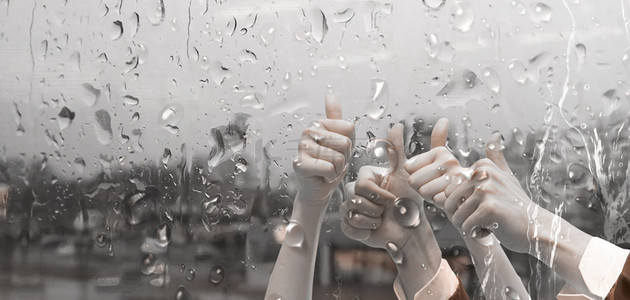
[147,145]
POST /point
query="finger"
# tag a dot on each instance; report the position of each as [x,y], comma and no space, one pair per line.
[329,139]
[426,175]
[314,150]
[364,206]
[333,107]
[397,157]
[307,166]
[495,154]
[440,133]
[459,195]
[434,187]
[344,128]
[361,221]
[439,200]
[354,233]
[462,175]
[420,161]
[466,208]
[368,186]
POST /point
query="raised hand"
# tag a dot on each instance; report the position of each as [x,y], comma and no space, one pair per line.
[432,171]
[323,154]
[383,211]
[492,200]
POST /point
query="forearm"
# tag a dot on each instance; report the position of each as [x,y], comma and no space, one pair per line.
[560,245]
[498,278]
[292,276]
[421,260]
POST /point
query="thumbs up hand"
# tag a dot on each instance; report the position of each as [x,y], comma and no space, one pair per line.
[381,207]
[492,200]
[323,155]
[432,171]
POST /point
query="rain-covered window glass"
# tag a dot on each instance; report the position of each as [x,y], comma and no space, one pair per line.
[147,146]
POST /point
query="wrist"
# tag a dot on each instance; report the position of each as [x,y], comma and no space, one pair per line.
[308,210]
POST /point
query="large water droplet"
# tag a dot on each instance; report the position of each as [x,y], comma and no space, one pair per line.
[254,100]
[518,71]
[518,135]
[511,294]
[219,73]
[101,240]
[140,205]
[103,127]
[155,11]
[117,30]
[170,116]
[66,116]
[268,34]
[130,100]
[407,212]
[319,24]
[216,275]
[166,156]
[377,151]
[479,233]
[295,234]
[491,79]
[434,4]
[394,252]
[182,293]
[164,234]
[541,13]
[149,264]
[190,274]
[210,212]
[344,16]
[380,98]
[90,94]
[463,16]
[580,54]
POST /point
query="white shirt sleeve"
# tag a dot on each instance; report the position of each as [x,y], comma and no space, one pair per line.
[442,286]
[600,266]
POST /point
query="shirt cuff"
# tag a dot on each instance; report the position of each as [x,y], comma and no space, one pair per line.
[600,266]
[442,286]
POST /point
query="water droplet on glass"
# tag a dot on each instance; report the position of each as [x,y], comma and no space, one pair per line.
[103,127]
[511,294]
[182,293]
[541,13]
[463,16]
[518,71]
[394,252]
[66,116]
[491,79]
[268,34]
[140,205]
[190,274]
[166,156]
[377,151]
[210,212]
[149,264]
[90,94]
[478,232]
[143,53]
[174,25]
[344,16]
[380,99]
[117,30]
[216,275]
[164,234]
[254,100]
[295,234]
[626,60]
[130,100]
[407,212]
[182,268]
[170,116]
[155,11]
[241,166]
[286,81]
[101,240]
[467,122]
[580,54]
[434,4]
[219,73]
[519,7]
[319,24]
[341,62]
[518,135]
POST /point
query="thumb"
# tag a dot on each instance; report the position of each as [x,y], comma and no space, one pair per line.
[494,152]
[333,107]
[397,157]
[440,133]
